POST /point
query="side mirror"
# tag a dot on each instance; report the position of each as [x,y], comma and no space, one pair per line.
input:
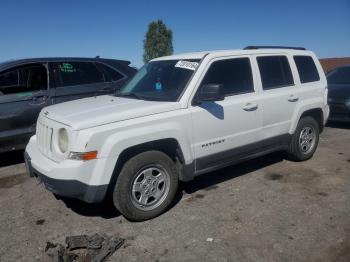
[209,92]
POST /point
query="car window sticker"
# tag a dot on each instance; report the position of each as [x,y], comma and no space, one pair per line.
[187,65]
[67,68]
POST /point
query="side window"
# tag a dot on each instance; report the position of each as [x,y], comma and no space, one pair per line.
[111,75]
[307,69]
[275,72]
[23,79]
[234,74]
[76,73]
[8,80]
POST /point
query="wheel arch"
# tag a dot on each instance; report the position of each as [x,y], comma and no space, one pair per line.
[169,146]
[315,112]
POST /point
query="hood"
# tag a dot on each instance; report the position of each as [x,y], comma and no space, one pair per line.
[339,92]
[100,110]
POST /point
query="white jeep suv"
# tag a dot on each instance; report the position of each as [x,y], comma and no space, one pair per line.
[179,117]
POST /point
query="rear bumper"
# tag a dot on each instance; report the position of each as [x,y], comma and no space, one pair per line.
[71,184]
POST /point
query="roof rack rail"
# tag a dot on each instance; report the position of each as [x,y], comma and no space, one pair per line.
[272,47]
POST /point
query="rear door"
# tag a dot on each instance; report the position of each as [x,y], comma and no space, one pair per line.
[279,95]
[75,80]
[23,93]
[311,85]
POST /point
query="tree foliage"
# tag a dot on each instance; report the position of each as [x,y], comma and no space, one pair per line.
[158,41]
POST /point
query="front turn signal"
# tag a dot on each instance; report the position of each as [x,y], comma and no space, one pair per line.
[85,156]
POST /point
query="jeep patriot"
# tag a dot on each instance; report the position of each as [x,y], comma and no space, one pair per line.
[179,117]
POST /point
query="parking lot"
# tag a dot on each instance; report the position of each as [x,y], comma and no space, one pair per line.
[267,209]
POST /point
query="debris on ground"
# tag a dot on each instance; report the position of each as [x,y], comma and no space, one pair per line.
[94,248]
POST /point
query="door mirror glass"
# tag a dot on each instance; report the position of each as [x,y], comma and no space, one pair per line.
[209,92]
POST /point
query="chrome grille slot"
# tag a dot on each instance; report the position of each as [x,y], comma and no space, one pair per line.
[44,138]
[50,143]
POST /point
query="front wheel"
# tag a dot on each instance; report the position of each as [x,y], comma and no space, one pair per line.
[146,186]
[305,139]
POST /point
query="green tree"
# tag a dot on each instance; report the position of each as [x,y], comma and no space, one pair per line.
[158,41]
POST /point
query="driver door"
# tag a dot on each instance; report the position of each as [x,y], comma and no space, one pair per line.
[224,130]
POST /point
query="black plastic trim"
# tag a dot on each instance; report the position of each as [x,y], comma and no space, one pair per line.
[232,156]
[253,47]
[187,172]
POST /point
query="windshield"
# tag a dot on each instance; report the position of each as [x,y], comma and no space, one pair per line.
[160,80]
[339,76]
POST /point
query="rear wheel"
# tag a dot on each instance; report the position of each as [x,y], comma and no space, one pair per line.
[305,139]
[146,186]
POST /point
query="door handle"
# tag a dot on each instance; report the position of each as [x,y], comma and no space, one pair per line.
[38,100]
[250,107]
[293,98]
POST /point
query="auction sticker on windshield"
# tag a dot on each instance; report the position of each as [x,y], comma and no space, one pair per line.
[187,65]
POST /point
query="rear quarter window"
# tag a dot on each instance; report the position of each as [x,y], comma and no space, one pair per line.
[111,74]
[307,69]
[275,72]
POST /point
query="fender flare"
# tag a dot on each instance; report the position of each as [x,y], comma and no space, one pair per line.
[302,108]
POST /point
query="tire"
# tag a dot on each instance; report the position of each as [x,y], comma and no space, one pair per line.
[146,186]
[299,149]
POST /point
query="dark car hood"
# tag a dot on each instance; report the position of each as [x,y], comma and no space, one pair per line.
[339,91]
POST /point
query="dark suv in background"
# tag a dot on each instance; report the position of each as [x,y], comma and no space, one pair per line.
[339,94]
[28,85]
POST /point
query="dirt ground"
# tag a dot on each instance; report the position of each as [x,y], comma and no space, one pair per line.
[267,209]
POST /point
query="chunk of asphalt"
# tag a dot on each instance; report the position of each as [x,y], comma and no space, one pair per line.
[70,257]
[55,252]
[95,248]
[75,242]
[108,249]
[83,241]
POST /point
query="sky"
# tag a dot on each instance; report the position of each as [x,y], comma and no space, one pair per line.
[116,29]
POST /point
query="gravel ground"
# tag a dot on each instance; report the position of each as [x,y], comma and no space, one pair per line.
[267,209]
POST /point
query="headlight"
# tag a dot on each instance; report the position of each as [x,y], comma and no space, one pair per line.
[63,140]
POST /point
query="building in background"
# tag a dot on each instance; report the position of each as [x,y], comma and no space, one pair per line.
[330,63]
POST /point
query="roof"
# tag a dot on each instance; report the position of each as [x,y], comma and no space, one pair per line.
[200,55]
[18,62]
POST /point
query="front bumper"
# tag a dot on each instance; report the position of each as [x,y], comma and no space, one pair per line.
[65,179]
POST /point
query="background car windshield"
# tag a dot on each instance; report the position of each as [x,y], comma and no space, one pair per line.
[161,80]
[339,76]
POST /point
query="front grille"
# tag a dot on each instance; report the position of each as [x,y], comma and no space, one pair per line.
[44,137]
